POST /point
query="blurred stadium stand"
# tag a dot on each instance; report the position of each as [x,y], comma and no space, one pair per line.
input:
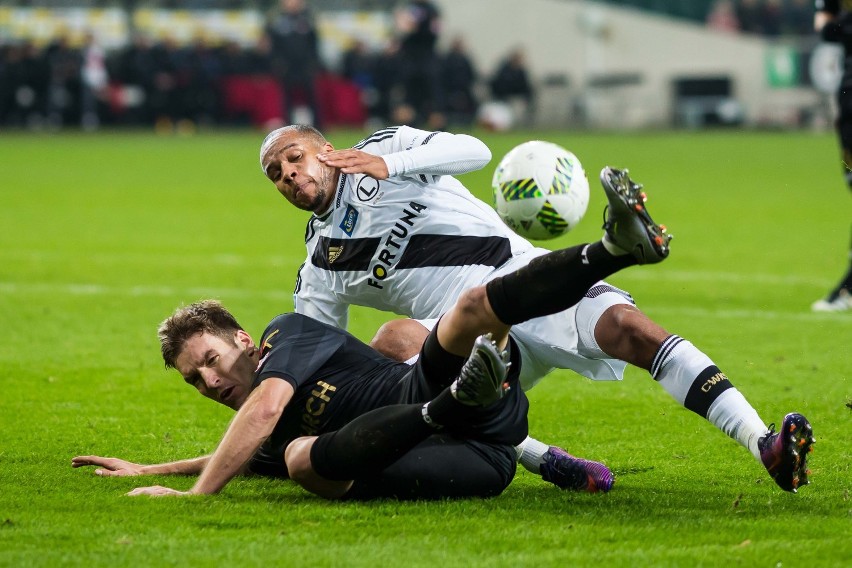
[591,63]
[695,10]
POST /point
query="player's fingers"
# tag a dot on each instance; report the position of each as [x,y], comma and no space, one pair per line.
[345,161]
[80,461]
[153,490]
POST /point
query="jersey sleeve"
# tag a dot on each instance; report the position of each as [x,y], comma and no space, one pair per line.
[316,301]
[295,348]
[425,156]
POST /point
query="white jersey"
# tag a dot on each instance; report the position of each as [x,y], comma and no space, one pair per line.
[410,244]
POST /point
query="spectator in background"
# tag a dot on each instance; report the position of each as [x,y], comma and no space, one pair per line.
[419,23]
[722,17]
[749,14]
[136,69]
[166,100]
[199,79]
[24,86]
[387,76]
[63,93]
[94,83]
[358,65]
[295,56]
[459,77]
[511,84]
[798,17]
[772,17]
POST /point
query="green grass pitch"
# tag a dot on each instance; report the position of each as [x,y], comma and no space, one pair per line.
[103,236]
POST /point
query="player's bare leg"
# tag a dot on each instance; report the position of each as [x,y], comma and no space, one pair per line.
[297,456]
[624,332]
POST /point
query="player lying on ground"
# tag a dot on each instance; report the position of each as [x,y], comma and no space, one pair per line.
[393,230]
[317,405]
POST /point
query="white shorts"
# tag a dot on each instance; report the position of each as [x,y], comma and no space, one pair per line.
[566,340]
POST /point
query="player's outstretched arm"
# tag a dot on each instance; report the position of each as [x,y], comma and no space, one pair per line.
[251,426]
[115,467]
[412,152]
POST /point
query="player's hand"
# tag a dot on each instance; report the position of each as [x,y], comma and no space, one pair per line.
[109,467]
[157,491]
[355,162]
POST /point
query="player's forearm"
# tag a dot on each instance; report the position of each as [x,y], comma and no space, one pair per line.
[240,443]
[250,428]
[192,466]
[447,154]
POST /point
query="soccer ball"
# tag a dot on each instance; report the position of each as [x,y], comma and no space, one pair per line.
[540,190]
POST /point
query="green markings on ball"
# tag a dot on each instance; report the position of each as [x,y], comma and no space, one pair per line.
[520,189]
[562,176]
[551,220]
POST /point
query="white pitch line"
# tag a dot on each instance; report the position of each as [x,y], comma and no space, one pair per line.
[137,291]
[727,277]
[804,315]
[13,288]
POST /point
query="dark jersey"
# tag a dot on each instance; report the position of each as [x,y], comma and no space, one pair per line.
[839,30]
[335,376]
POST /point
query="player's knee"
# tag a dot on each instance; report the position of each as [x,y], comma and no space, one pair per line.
[400,339]
[297,457]
[624,332]
[473,305]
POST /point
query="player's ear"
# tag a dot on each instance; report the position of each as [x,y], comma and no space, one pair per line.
[327,147]
[244,340]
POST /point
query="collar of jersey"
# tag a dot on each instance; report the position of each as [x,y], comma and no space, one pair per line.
[325,214]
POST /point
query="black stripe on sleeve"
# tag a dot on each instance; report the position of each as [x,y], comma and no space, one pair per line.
[299,279]
[428,138]
[339,255]
[451,250]
[377,136]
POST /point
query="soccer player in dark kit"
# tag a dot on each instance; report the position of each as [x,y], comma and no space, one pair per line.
[833,21]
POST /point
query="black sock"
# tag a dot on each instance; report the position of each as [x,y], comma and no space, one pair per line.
[370,443]
[845,283]
[552,282]
[440,367]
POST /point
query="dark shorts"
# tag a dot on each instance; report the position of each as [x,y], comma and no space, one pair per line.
[442,467]
[476,459]
[504,422]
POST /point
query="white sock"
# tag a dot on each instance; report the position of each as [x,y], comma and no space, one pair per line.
[694,381]
[734,416]
[531,454]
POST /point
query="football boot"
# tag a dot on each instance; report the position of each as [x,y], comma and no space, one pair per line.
[573,473]
[482,380]
[629,228]
[785,453]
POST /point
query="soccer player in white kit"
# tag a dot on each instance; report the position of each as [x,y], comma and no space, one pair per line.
[393,230]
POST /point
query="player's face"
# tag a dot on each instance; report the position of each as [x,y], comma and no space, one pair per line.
[222,370]
[290,162]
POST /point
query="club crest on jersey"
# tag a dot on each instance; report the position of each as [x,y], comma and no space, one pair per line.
[367,189]
[350,218]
